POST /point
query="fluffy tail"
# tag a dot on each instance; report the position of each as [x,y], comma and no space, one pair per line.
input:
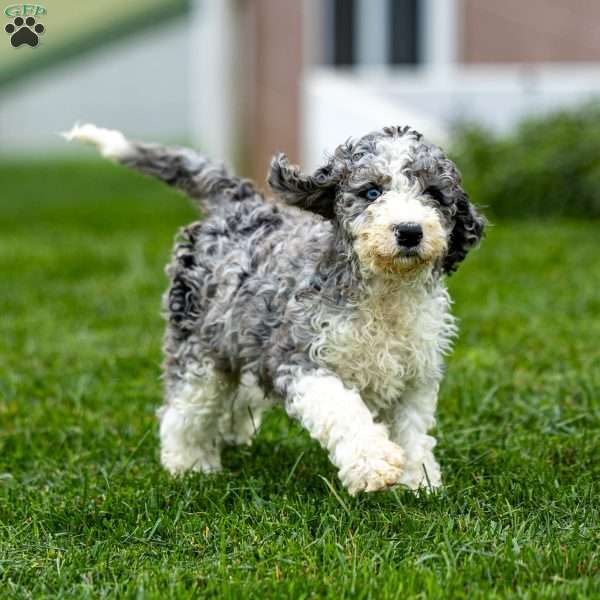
[182,168]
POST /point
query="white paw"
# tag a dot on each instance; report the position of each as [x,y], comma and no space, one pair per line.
[184,445]
[179,462]
[375,468]
[422,475]
[111,143]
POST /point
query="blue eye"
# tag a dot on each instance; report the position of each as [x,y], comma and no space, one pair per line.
[372,193]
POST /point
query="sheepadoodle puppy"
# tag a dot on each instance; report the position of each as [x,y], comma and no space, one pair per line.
[328,299]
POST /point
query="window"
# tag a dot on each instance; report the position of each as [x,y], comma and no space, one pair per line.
[376,32]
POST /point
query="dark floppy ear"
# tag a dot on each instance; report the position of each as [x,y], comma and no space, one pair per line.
[468,230]
[314,192]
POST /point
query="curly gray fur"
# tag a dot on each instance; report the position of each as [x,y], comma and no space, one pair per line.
[258,286]
[243,277]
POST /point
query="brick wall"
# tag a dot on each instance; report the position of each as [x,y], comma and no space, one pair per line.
[530,30]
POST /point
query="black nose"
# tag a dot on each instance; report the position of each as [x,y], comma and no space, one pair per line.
[408,234]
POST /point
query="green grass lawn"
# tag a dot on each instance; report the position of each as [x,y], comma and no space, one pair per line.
[86,511]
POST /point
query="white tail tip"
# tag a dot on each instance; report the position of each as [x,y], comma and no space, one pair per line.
[111,143]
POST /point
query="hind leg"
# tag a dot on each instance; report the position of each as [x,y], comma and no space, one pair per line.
[243,412]
[190,439]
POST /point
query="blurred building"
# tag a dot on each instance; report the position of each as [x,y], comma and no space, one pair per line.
[244,78]
[432,63]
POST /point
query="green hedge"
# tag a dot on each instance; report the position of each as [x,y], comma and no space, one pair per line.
[549,166]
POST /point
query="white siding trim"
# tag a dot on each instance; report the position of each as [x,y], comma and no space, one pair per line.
[214,77]
[440,35]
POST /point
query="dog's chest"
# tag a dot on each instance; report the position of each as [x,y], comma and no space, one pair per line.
[387,342]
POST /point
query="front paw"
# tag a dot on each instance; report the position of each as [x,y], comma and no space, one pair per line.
[423,475]
[370,469]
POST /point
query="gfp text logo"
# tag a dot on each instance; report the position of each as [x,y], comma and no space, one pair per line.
[25,10]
